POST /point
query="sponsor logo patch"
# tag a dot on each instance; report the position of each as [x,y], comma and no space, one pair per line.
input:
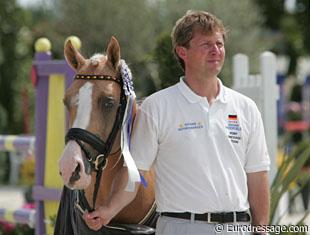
[234,129]
[189,126]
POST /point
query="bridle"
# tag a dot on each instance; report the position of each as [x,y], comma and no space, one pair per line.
[103,148]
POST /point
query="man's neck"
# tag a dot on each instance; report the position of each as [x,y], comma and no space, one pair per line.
[204,86]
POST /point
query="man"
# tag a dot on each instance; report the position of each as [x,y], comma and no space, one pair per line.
[205,141]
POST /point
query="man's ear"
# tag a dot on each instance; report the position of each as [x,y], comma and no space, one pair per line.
[114,52]
[73,56]
[181,51]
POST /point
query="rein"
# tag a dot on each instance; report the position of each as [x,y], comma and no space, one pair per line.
[82,136]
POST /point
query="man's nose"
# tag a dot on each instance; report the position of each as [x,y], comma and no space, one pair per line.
[214,48]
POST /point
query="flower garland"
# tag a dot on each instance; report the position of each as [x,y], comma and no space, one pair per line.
[127,79]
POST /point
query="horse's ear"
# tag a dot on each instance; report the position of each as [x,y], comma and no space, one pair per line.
[73,56]
[114,52]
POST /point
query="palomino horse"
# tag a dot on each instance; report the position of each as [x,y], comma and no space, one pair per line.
[96,103]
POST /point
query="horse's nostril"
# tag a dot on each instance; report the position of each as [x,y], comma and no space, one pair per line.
[60,173]
[77,169]
[75,175]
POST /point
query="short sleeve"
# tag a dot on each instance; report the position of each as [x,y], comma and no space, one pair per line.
[144,141]
[257,157]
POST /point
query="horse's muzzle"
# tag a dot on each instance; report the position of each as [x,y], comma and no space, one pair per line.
[73,169]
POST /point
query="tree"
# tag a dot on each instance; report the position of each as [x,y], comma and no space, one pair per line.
[292,36]
[14,56]
[137,27]
[168,69]
[94,22]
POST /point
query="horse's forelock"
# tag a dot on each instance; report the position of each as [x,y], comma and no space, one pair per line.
[96,58]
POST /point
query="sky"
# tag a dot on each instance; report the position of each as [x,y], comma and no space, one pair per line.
[32,3]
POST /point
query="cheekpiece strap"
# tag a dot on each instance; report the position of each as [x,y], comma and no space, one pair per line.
[98,77]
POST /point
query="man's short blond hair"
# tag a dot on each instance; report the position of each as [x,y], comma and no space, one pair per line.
[191,22]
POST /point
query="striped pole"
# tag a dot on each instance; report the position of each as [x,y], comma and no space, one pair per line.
[52,77]
[23,216]
[42,55]
[16,143]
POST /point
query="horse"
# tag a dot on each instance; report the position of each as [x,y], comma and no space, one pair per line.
[97,102]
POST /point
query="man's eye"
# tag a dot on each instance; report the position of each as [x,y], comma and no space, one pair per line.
[206,44]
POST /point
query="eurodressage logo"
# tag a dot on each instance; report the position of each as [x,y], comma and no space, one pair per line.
[189,126]
[234,129]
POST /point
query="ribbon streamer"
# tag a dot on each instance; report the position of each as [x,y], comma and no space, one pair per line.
[133,173]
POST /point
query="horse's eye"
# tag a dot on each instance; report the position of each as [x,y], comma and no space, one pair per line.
[107,103]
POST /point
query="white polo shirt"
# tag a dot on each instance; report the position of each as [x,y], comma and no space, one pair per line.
[201,154]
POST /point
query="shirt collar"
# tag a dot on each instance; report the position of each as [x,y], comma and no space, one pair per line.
[192,97]
[222,96]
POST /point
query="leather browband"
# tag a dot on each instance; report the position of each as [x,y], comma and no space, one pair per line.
[97,77]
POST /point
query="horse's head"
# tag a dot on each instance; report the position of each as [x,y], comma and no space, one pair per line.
[94,102]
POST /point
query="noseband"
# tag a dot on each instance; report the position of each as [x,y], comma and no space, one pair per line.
[103,148]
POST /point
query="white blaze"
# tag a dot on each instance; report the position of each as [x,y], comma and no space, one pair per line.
[84,106]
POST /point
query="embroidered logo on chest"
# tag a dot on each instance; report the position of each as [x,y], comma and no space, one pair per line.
[234,129]
[190,125]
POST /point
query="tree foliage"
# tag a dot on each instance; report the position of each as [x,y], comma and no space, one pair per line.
[142,28]
[138,26]
[290,27]
[168,69]
[94,22]
[14,56]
